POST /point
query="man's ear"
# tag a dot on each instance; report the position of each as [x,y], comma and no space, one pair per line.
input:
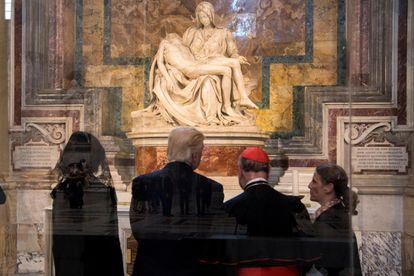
[242,173]
[193,158]
[242,177]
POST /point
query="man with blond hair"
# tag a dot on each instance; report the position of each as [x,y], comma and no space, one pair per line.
[171,205]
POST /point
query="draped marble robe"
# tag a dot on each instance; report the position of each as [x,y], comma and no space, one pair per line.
[195,101]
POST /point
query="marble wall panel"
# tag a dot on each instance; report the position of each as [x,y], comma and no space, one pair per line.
[129,37]
[129,78]
[30,262]
[402,61]
[322,70]
[132,97]
[131,30]
[325,52]
[273,28]
[379,213]
[359,57]
[17,107]
[30,237]
[55,42]
[31,205]
[409,215]
[278,74]
[279,116]
[111,112]
[281,27]
[408,255]
[113,76]
[408,238]
[354,55]
[320,74]
[68,43]
[92,30]
[8,234]
[325,20]
[9,209]
[381,253]
[364,41]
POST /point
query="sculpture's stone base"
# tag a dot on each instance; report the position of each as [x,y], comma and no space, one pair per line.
[216,160]
[214,135]
[218,163]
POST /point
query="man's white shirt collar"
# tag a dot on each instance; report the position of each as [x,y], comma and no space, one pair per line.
[259,181]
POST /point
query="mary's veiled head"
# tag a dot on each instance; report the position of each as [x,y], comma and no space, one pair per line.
[207,9]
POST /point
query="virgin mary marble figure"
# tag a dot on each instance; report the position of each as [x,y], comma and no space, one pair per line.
[197,80]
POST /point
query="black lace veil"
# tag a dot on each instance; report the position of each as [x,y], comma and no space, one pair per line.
[84,156]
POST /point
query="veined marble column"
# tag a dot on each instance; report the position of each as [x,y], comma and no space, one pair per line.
[408,234]
[7,235]
[4,124]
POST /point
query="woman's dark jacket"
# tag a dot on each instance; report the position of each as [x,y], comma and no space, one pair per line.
[338,243]
[85,229]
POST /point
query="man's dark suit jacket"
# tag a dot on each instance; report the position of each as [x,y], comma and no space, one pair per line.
[265,211]
[170,207]
[269,216]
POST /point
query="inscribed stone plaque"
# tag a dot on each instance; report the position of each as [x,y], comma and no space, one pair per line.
[35,156]
[379,158]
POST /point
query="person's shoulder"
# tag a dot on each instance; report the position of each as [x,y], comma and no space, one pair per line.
[237,200]
[295,202]
[206,180]
[333,222]
[292,202]
[148,176]
[238,205]
[336,210]
[336,215]
[190,33]
[339,211]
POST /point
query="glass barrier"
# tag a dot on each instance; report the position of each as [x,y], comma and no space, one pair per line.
[220,137]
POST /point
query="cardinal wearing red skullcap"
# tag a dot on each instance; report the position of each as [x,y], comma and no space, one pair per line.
[255,154]
[266,213]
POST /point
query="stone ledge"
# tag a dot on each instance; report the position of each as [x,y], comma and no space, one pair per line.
[216,135]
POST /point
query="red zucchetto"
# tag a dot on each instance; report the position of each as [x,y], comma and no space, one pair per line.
[255,154]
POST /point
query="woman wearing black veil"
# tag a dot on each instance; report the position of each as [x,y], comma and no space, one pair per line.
[85,223]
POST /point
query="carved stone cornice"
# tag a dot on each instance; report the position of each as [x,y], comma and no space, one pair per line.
[381,184]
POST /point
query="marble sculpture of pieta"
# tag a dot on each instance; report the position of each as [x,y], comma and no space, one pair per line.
[197,80]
